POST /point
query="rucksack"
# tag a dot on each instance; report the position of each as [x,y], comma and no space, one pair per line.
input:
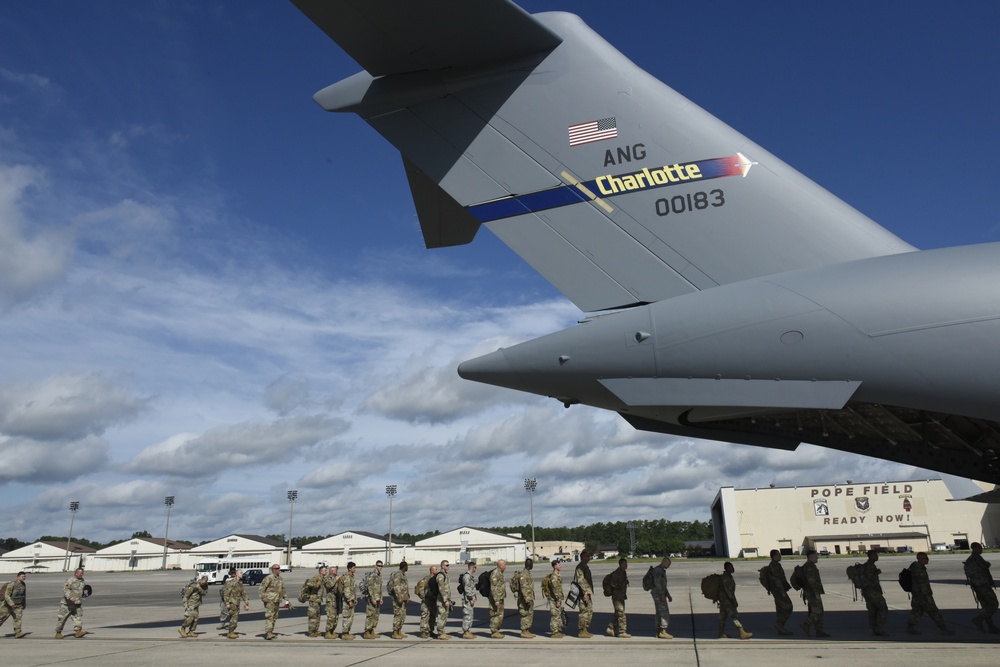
[906,580]
[647,579]
[420,590]
[304,593]
[606,585]
[798,578]
[515,584]
[363,588]
[764,578]
[710,586]
[3,589]
[433,587]
[185,587]
[854,574]
[461,584]
[483,584]
[547,585]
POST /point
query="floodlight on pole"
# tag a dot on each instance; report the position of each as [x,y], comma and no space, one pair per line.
[73,507]
[169,502]
[390,490]
[293,495]
[530,485]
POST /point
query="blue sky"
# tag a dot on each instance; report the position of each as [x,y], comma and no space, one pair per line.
[212,289]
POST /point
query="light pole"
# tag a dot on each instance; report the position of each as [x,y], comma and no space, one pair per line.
[292,497]
[169,502]
[530,485]
[390,490]
[73,507]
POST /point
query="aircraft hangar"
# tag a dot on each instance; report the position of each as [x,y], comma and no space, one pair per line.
[849,518]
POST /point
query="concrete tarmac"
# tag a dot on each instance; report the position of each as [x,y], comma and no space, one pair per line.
[133,620]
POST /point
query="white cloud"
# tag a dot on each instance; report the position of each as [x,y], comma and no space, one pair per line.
[42,462]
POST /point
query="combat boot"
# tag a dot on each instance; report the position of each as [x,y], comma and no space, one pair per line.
[805,627]
[722,631]
[820,633]
[313,634]
[80,633]
[624,635]
[19,634]
[947,632]
[180,630]
[232,635]
[525,634]
[425,635]
[744,634]
[331,635]
[584,634]
[610,631]
[910,630]
[782,630]
[269,636]
[497,635]
[978,622]
[444,635]
[368,635]
[663,634]
[347,636]
[468,635]
[557,635]
[59,635]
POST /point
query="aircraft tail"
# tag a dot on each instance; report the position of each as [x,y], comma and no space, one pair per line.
[617,189]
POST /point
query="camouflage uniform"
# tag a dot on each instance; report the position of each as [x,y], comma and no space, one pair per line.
[349,591]
[71,605]
[374,604]
[233,593]
[978,572]
[498,593]
[660,596]
[272,594]
[812,593]
[728,606]
[312,594]
[619,593]
[333,603]
[14,601]
[555,598]
[523,588]
[923,600]
[468,601]
[871,591]
[399,591]
[778,587]
[427,610]
[443,600]
[193,596]
[585,580]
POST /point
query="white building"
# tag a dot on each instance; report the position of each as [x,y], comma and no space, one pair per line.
[467,543]
[352,545]
[559,549]
[45,557]
[845,518]
[234,546]
[139,553]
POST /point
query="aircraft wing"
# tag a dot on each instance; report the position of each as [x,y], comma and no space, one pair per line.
[617,189]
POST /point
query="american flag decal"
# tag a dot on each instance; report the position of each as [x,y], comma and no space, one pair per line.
[591,131]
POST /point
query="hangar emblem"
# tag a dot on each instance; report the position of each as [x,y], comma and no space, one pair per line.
[861,504]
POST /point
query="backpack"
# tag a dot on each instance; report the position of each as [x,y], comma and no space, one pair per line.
[3,590]
[606,585]
[483,584]
[185,587]
[515,584]
[420,590]
[710,586]
[433,587]
[363,588]
[647,579]
[798,578]
[854,574]
[906,580]
[461,584]
[547,585]
[764,579]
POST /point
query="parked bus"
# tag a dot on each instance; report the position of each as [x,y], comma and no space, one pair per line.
[217,569]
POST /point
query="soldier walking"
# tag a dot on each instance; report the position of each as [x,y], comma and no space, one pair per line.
[661,598]
[399,590]
[585,580]
[812,594]
[374,604]
[553,591]
[619,593]
[467,588]
[778,587]
[977,570]
[498,592]
[728,604]
[15,599]
[192,599]
[273,595]
[442,598]
[233,593]
[72,605]
[523,588]
[427,604]
[923,598]
[312,594]
[348,589]
[334,602]
[871,591]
